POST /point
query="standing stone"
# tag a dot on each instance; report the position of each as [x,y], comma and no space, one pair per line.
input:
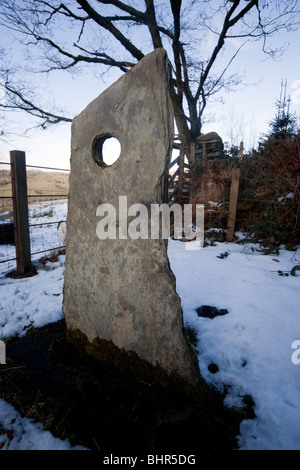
[123,290]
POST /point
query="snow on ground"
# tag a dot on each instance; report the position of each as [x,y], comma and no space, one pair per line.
[25,434]
[251,345]
[32,301]
[41,236]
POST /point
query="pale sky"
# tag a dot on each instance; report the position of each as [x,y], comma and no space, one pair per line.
[245,113]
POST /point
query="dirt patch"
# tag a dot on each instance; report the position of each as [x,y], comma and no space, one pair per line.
[109,403]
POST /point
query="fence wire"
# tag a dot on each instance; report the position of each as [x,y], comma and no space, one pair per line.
[47,208]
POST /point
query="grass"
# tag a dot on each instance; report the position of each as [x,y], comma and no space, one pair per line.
[44,213]
[101,397]
[38,183]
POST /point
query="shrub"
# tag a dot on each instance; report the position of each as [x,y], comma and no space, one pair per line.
[269,202]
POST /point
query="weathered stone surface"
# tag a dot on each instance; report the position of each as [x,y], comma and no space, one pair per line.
[124,290]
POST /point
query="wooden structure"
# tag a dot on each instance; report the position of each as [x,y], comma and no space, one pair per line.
[177,178]
[208,147]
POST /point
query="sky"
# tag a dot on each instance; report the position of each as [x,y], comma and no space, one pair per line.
[243,114]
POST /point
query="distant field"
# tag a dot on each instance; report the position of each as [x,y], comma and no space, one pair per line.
[49,183]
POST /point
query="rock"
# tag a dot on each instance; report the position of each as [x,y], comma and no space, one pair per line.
[249,406]
[210,312]
[208,137]
[123,290]
[213,368]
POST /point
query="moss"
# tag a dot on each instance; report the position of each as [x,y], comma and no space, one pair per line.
[247,207]
[128,362]
[191,337]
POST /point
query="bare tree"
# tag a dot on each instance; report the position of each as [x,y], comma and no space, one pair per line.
[112,33]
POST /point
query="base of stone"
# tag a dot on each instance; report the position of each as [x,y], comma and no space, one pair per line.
[128,362]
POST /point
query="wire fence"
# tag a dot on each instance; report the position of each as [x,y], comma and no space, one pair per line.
[47,192]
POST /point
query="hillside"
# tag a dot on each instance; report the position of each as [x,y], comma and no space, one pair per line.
[41,186]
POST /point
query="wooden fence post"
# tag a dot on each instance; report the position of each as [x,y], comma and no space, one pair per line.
[241,151]
[233,199]
[234,190]
[20,205]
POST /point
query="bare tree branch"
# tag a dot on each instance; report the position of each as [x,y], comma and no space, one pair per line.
[127,8]
[105,59]
[16,101]
[63,35]
[108,25]
[152,24]
[229,22]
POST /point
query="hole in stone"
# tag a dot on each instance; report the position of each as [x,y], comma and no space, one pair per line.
[106,150]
